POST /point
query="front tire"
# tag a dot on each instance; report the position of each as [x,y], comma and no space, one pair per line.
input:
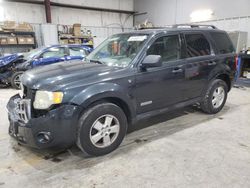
[16,80]
[215,97]
[101,129]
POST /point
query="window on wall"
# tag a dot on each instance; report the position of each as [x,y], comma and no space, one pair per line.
[168,47]
[197,45]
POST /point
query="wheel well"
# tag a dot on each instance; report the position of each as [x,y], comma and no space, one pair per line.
[117,101]
[225,78]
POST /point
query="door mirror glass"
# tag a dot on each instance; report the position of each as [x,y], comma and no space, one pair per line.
[152,61]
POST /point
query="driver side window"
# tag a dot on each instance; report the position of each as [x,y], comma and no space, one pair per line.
[168,47]
[54,52]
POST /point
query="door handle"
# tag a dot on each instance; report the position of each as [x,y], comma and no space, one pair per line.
[177,70]
[211,63]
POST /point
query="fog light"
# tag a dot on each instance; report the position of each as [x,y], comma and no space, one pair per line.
[44,137]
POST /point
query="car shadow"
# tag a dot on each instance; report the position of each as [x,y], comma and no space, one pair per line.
[142,133]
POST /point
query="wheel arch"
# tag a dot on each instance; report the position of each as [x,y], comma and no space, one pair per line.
[114,100]
[112,93]
[225,78]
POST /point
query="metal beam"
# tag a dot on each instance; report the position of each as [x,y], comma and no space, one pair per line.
[48,11]
[74,6]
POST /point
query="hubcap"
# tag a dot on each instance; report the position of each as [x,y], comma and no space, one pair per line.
[218,97]
[17,80]
[104,131]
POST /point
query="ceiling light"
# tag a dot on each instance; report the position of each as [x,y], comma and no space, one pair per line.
[201,15]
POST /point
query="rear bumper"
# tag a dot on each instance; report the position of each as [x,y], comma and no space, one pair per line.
[57,128]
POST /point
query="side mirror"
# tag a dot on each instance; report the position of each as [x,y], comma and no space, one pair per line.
[152,61]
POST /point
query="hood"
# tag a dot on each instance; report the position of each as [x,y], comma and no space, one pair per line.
[65,75]
[5,60]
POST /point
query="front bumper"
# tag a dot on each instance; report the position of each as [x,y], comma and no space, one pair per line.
[5,77]
[57,128]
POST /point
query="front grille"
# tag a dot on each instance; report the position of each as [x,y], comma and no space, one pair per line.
[23,110]
[20,110]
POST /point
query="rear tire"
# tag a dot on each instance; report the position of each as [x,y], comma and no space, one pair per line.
[16,80]
[101,129]
[215,97]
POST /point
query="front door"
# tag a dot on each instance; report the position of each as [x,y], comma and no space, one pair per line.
[160,87]
[50,56]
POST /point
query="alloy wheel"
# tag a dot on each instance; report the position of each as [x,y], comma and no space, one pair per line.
[104,131]
[218,97]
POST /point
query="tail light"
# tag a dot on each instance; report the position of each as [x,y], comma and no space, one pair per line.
[236,61]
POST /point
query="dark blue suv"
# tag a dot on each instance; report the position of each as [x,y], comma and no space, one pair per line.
[13,66]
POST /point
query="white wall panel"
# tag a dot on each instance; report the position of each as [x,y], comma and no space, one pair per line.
[102,24]
[169,12]
[36,14]
[166,12]
[111,4]
[236,24]
[20,12]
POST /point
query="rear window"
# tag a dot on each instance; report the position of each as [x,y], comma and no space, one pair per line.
[223,43]
[197,45]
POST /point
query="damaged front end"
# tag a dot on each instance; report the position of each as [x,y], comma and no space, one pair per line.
[8,66]
[54,127]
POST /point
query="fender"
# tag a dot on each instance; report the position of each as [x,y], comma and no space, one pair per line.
[101,91]
[218,70]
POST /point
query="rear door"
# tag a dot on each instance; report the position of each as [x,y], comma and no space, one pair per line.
[200,61]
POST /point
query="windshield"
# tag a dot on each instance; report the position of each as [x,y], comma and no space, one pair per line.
[32,53]
[118,50]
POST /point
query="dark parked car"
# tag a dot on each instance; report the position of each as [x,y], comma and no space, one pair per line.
[132,76]
[13,66]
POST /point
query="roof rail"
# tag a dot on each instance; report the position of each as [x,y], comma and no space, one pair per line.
[143,28]
[194,26]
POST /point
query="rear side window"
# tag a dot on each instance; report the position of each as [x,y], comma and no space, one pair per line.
[197,45]
[222,42]
[74,51]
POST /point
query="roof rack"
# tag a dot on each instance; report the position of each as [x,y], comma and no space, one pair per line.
[193,26]
[143,28]
[181,26]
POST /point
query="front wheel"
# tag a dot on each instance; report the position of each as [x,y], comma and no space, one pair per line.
[101,129]
[16,80]
[215,97]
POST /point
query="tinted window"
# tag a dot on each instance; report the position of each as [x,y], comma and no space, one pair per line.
[168,47]
[197,45]
[73,51]
[53,52]
[223,43]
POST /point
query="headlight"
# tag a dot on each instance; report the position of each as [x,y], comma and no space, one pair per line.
[44,99]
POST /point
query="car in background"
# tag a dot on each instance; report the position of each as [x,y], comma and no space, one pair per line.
[7,62]
[13,66]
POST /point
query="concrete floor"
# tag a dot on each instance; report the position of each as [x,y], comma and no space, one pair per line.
[185,148]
